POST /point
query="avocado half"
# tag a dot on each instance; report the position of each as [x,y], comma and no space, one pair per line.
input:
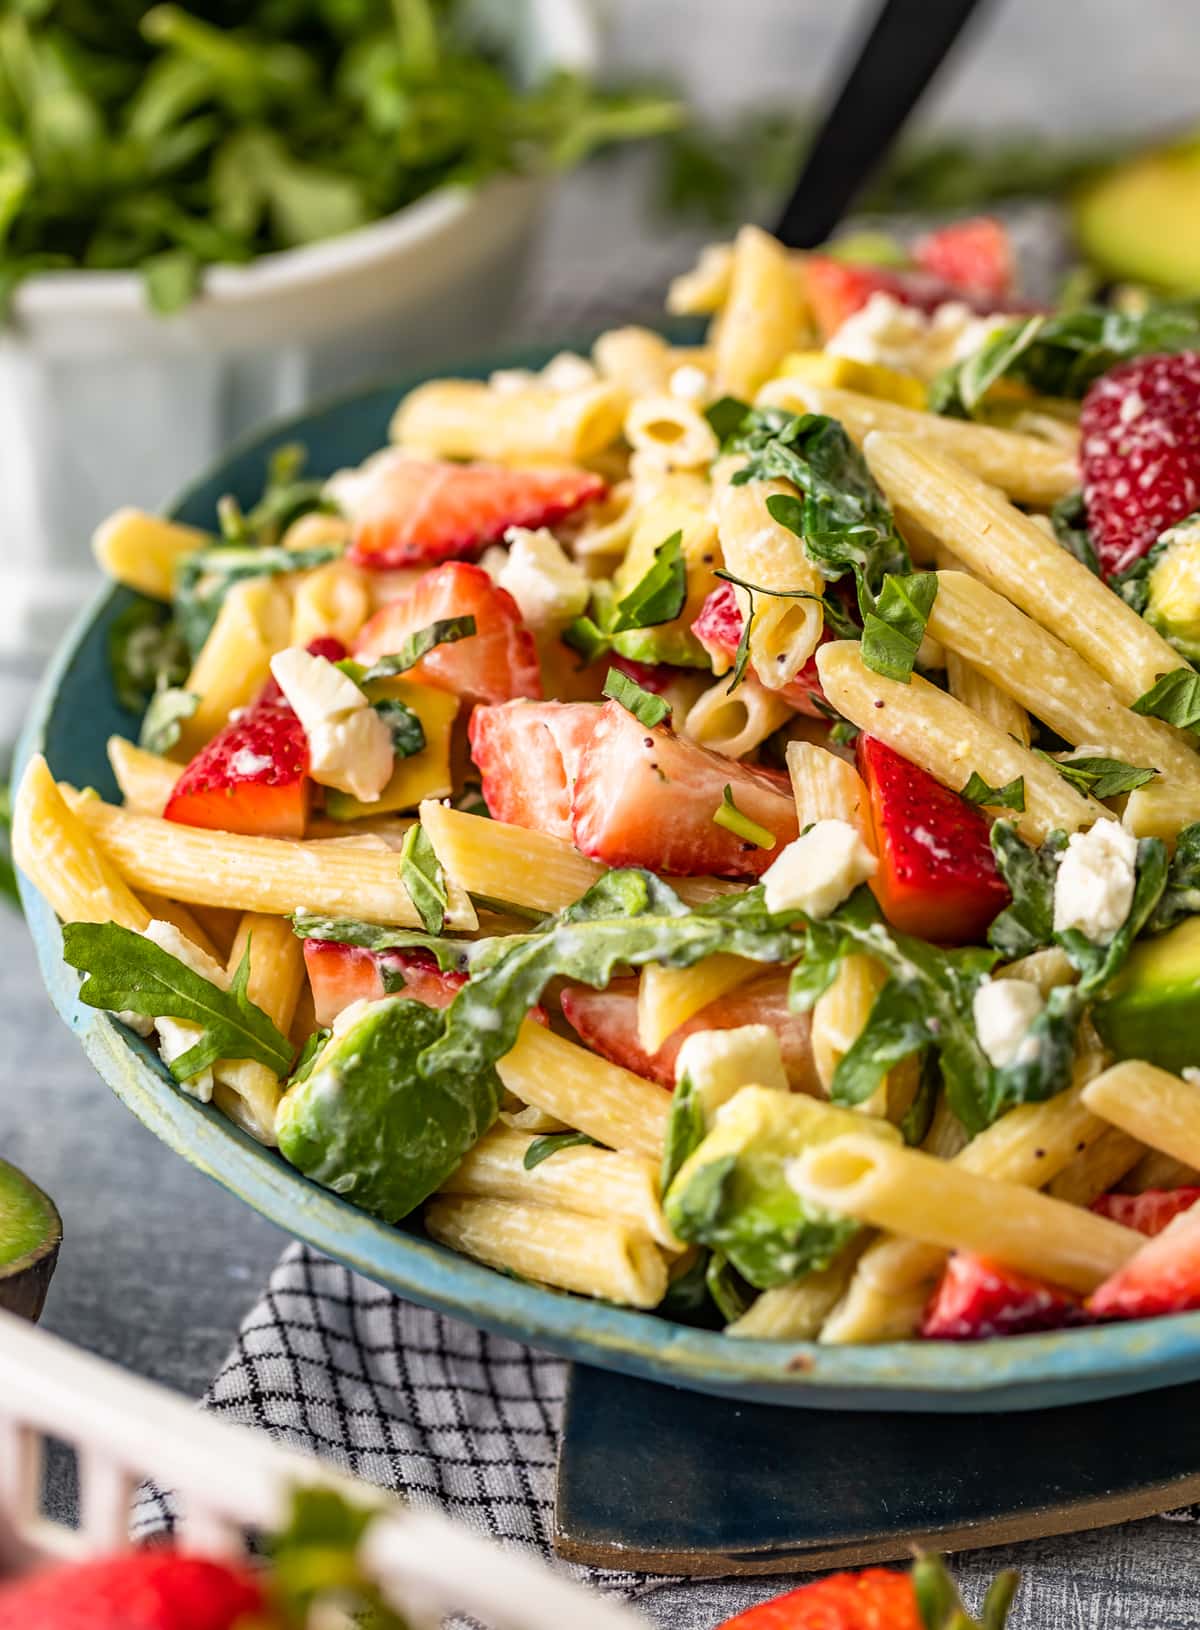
[30,1235]
[1140,221]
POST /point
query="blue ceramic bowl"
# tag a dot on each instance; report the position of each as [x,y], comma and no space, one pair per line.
[73,716]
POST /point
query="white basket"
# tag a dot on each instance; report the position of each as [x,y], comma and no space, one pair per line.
[225,1480]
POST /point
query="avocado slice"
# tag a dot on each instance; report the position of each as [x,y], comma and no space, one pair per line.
[369,1124]
[1173,587]
[1153,1009]
[30,1236]
[1141,220]
[427,773]
[733,1194]
[681,504]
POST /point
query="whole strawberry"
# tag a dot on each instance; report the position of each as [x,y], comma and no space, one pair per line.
[152,1589]
[1140,452]
[880,1599]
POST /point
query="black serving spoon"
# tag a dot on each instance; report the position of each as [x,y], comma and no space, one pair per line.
[899,57]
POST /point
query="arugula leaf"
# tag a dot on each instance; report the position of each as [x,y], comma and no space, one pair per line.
[285,498]
[404,726]
[449,955]
[164,718]
[204,579]
[686,1131]
[646,708]
[730,1293]
[1099,777]
[733,820]
[422,876]
[549,1144]
[1174,697]
[445,631]
[660,595]
[1070,523]
[726,416]
[127,973]
[894,623]
[1010,796]
[145,653]
[308,1056]
[1181,895]
[914,1124]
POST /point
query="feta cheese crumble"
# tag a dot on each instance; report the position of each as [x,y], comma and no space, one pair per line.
[550,589]
[719,1063]
[892,335]
[819,870]
[688,383]
[1094,887]
[349,746]
[1191,1075]
[1003,1010]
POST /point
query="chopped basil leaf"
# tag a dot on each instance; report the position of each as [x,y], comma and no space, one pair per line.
[843,733]
[422,876]
[660,595]
[164,718]
[587,637]
[1174,697]
[733,820]
[894,625]
[308,1056]
[1069,520]
[404,726]
[646,708]
[730,1292]
[542,1148]
[1010,796]
[145,653]
[1181,896]
[203,580]
[445,631]
[1099,777]
[726,416]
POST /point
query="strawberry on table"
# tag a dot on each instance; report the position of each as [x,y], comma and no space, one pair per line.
[151,1589]
[977,1298]
[1148,1212]
[646,797]
[937,875]
[528,756]
[606,1020]
[408,511]
[719,630]
[975,254]
[1140,452]
[881,1599]
[495,664]
[1164,1276]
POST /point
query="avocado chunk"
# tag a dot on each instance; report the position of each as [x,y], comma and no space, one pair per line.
[1153,1009]
[1141,220]
[371,1125]
[30,1236]
[733,1194]
[1173,587]
[681,504]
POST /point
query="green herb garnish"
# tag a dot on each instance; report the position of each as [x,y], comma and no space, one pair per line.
[1099,777]
[1010,796]
[164,718]
[550,1144]
[422,876]
[646,708]
[733,820]
[1175,697]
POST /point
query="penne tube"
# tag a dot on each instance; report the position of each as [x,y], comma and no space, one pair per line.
[941,735]
[705,288]
[317,530]
[1101,1165]
[968,686]
[826,788]
[330,602]
[671,432]
[1159,1109]
[1028,469]
[839,1014]
[941,1204]
[1012,555]
[763,314]
[735,724]
[464,418]
[1158,1171]
[1046,969]
[60,856]
[142,551]
[246,1091]
[583,1254]
[669,997]
[636,359]
[595,1182]
[1161,809]
[271,875]
[253,623]
[617,1108]
[1023,659]
[796,1312]
[146,780]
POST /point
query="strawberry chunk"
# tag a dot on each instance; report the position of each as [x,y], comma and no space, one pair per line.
[872,1599]
[341,974]
[839,288]
[1164,1276]
[495,664]
[719,630]
[528,755]
[607,1021]
[978,1297]
[1148,1212]
[408,511]
[154,1588]
[976,254]
[1140,453]
[647,797]
[937,875]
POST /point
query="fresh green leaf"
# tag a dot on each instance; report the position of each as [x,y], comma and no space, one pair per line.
[1069,520]
[317,1567]
[894,626]
[726,416]
[451,956]
[733,820]
[843,733]
[686,1129]
[308,1056]
[914,1124]
[646,708]
[164,718]
[422,876]
[404,726]
[1010,796]
[730,1293]
[1174,697]
[1027,925]
[128,973]
[1098,965]
[585,636]
[1181,895]
[660,595]
[1099,777]
[145,653]
[203,580]
[549,1144]
[445,631]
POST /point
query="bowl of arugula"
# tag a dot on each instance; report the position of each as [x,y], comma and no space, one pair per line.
[210,215]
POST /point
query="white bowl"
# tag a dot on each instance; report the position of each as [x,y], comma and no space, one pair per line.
[104,403]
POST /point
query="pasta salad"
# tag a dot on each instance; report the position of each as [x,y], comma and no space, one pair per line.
[713,827]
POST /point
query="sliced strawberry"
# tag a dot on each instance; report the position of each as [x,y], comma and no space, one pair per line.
[607,1021]
[937,876]
[976,254]
[1148,1212]
[496,663]
[977,1297]
[719,630]
[154,1588]
[839,288]
[1164,1276]
[408,511]
[646,797]
[528,755]
[873,1599]
[340,974]
[1140,453]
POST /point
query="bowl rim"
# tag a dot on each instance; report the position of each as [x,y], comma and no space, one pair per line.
[1013,1373]
[570,39]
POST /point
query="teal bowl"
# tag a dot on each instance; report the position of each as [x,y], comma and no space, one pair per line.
[74,714]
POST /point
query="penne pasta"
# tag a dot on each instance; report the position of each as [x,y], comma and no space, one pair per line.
[738,722]
[762,317]
[1099,1168]
[189,925]
[142,551]
[1159,1109]
[1161,809]
[248,1092]
[636,359]
[462,418]
[669,997]
[671,432]
[826,788]
[234,665]
[968,686]
[797,1312]
[705,288]
[146,779]
[330,602]
[60,856]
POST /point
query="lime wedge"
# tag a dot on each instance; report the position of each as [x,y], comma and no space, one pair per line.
[30,1235]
